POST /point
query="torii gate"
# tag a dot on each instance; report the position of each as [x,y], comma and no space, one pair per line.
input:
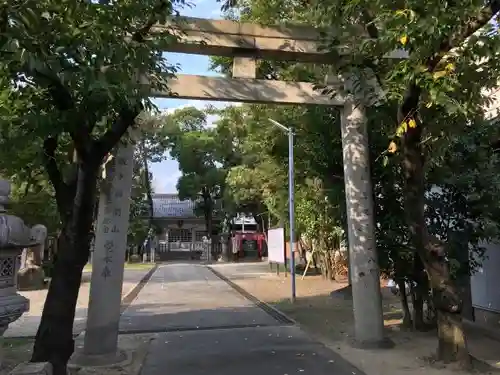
[245,42]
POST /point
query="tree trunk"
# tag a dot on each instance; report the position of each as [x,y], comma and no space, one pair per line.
[349,273]
[147,183]
[430,250]
[452,341]
[208,214]
[463,281]
[418,307]
[452,345]
[419,288]
[407,320]
[209,223]
[54,339]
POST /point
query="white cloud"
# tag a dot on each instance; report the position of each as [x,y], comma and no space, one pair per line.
[211,119]
[216,13]
[166,184]
[165,176]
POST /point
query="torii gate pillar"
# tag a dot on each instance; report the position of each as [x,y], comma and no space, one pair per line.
[246,42]
[363,266]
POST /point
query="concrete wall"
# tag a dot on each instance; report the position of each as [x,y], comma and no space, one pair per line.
[484,283]
[484,289]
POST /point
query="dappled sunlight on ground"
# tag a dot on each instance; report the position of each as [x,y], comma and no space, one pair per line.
[331,320]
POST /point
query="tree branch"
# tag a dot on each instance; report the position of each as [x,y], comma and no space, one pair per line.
[140,35]
[63,101]
[60,187]
[61,96]
[370,26]
[126,117]
[81,139]
[412,95]
[110,138]
[455,40]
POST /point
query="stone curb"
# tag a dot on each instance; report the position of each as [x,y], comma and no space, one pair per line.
[45,368]
[28,368]
[271,310]
[322,340]
[490,332]
[132,294]
[78,326]
[127,299]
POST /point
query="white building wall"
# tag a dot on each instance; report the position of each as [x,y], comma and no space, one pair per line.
[486,281]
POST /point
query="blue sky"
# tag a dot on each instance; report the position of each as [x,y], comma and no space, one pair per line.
[166,173]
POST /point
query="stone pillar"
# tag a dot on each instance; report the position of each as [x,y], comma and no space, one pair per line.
[23,258]
[224,247]
[207,248]
[31,275]
[367,299]
[154,241]
[101,335]
[244,67]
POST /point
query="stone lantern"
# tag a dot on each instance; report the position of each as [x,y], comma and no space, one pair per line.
[14,237]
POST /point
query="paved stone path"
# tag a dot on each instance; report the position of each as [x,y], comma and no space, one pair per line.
[189,296]
[208,328]
[27,325]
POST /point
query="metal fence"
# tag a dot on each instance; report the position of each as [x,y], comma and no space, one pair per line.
[191,250]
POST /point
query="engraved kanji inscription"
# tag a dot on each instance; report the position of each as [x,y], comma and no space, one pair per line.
[115,229]
[106,272]
[122,161]
[108,257]
[105,229]
[117,212]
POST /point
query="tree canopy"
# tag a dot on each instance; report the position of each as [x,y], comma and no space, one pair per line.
[431,123]
[74,78]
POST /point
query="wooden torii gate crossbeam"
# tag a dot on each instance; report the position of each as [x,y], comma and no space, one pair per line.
[246,43]
[228,38]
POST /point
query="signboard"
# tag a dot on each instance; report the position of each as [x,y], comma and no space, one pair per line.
[250,246]
[169,206]
[172,207]
[276,245]
[243,219]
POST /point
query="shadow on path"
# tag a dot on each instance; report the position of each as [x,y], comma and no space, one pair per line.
[245,351]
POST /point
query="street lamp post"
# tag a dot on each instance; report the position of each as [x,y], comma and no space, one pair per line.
[291,201]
